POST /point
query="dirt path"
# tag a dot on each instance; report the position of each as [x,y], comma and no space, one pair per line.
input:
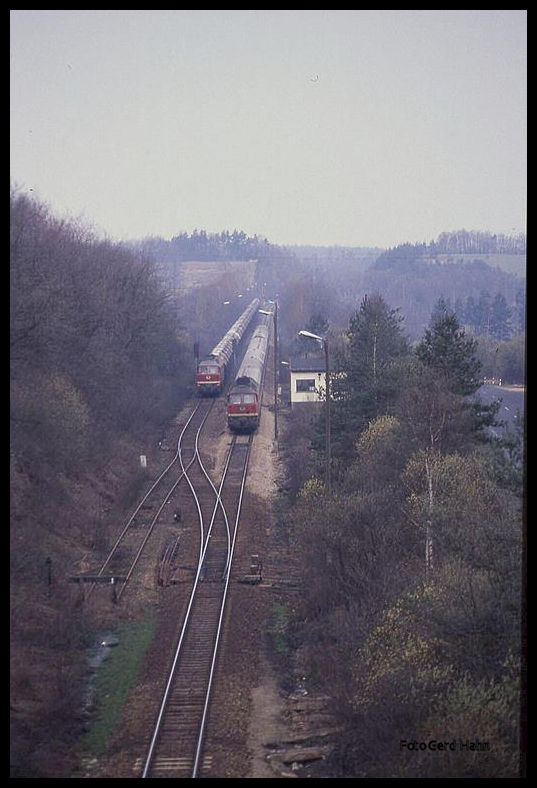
[266,720]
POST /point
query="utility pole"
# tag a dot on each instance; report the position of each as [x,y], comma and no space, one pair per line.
[275,319]
[48,562]
[276,369]
[328,441]
[324,343]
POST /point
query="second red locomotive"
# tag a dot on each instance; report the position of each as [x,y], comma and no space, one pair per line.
[244,398]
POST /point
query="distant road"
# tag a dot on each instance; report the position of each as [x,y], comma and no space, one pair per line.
[512,397]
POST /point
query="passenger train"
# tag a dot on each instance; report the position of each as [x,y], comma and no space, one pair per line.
[244,398]
[212,370]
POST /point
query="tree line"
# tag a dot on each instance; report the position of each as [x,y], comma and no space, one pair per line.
[94,340]
[201,245]
[412,560]
[491,315]
[499,332]
[463,242]
[478,242]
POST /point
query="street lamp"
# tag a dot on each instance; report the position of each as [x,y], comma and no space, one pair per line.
[327,384]
[275,315]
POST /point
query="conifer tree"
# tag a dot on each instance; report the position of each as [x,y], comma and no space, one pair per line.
[446,349]
[371,376]
[500,317]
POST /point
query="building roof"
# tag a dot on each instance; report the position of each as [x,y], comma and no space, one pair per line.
[309,363]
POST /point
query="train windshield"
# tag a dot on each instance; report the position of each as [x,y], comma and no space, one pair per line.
[206,369]
[242,399]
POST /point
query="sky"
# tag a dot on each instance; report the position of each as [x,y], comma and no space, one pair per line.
[350,128]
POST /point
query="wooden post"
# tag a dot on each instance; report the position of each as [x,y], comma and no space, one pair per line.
[48,562]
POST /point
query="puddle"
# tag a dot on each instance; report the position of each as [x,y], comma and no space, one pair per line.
[100,649]
[96,654]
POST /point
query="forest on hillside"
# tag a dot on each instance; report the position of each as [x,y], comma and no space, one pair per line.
[99,362]
[412,617]
[488,301]
[92,328]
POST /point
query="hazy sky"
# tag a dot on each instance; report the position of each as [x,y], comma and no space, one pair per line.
[362,128]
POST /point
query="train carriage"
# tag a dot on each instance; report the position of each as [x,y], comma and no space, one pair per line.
[244,398]
[212,370]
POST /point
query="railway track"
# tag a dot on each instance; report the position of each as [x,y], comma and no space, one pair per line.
[127,553]
[200,524]
[165,494]
[176,745]
[206,533]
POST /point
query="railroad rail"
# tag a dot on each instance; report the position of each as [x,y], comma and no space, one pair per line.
[176,747]
[125,554]
[206,526]
[127,551]
[176,744]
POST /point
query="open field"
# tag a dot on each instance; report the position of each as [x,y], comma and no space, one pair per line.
[193,274]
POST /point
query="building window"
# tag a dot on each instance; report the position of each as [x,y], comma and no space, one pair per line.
[303,386]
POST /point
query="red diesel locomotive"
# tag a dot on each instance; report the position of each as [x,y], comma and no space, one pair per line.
[243,402]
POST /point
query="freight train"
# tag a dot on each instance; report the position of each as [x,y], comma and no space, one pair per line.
[244,398]
[212,370]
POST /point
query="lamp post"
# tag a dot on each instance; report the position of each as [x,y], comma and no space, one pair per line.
[276,371]
[324,343]
[275,315]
